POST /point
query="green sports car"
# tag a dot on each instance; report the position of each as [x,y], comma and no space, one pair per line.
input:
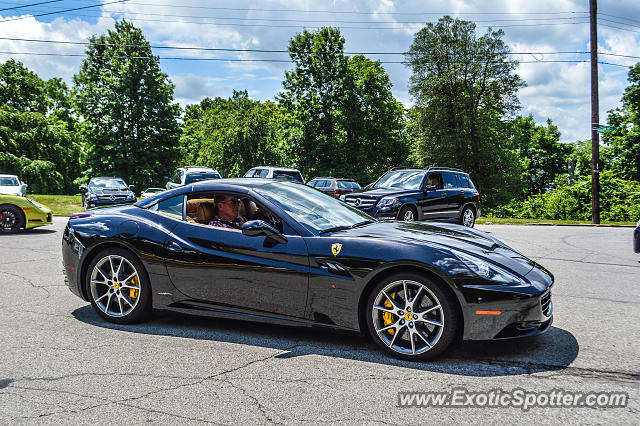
[18,213]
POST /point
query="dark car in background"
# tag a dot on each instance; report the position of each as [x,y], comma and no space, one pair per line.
[420,194]
[191,174]
[104,191]
[335,186]
[636,238]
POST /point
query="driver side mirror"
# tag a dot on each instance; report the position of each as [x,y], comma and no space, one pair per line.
[131,187]
[428,188]
[254,228]
[83,188]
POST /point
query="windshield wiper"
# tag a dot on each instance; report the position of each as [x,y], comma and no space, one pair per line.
[366,222]
[334,229]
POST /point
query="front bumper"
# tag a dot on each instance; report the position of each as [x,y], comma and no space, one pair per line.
[100,203]
[38,217]
[383,213]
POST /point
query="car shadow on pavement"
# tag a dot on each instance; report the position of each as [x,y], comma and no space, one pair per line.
[36,231]
[552,351]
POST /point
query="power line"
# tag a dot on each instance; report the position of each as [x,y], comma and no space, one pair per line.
[29,5]
[181,58]
[62,11]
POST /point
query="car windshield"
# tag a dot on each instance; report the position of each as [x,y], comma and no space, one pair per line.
[108,183]
[291,175]
[348,185]
[8,181]
[316,211]
[404,179]
[154,190]
[197,177]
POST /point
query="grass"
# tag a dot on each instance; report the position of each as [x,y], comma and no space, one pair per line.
[67,204]
[518,221]
[60,204]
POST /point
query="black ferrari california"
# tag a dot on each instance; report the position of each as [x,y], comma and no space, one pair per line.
[304,258]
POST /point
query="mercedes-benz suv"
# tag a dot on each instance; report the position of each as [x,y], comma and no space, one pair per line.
[420,194]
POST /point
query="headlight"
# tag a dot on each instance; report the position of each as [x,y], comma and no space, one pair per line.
[387,201]
[486,270]
[131,196]
[92,196]
[343,198]
[35,203]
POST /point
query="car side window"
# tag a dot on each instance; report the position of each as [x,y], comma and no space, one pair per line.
[262,173]
[171,207]
[450,181]
[464,181]
[435,179]
[324,184]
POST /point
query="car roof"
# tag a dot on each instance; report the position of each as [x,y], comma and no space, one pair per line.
[198,169]
[247,184]
[285,169]
[106,177]
[9,176]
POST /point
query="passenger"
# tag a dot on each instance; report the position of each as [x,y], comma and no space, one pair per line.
[227,217]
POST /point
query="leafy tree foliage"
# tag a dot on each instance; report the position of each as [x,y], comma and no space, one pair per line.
[625,139]
[544,157]
[346,121]
[130,120]
[233,135]
[465,90]
[37,142]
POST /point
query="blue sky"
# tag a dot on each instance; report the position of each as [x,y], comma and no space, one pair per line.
[556,90]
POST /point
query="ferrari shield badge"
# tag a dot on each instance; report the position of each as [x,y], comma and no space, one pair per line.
[335,248]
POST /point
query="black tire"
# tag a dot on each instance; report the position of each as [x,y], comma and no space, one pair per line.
[432,303]
[467,217]
[12,219]
[408,214]
[139,304]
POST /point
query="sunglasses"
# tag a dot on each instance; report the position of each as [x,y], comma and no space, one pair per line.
[234,202]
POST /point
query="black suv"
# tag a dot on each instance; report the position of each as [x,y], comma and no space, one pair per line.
[103,191]
[419,194]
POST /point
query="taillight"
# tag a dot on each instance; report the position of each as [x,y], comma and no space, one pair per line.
[336,192]
[79,215]
[478,196]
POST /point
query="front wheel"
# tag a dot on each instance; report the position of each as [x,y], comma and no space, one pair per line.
[11,219]
[118,286]
[407,213]
[468,217]
[412,317]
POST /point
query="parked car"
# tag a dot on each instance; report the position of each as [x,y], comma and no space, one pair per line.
[150,191]
[11,185]
[636,238]
[18,213]
[191,174]
[104,191]
[270,172]
[303,258]
[335,186]
[418,194]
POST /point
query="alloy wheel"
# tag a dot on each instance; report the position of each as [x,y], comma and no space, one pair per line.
[468,218]
[408,215]
[115,286]
[408,317]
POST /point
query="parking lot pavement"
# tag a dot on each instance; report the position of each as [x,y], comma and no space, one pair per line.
[63,364]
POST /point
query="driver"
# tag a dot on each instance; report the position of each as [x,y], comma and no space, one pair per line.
[227,217]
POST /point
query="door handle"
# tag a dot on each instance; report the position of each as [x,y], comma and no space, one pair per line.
[173,246]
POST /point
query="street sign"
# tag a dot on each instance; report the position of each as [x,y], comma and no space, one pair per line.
[605,128]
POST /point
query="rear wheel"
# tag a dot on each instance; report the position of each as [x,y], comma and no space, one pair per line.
[11,219]
[118,286]
[468,217]
[407,213]
[411,317]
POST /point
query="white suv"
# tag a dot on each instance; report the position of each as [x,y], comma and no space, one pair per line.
[11,185]
[190,174]
[275,173]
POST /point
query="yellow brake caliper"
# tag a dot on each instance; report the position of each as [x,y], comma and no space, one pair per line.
[387,317]
[133,292]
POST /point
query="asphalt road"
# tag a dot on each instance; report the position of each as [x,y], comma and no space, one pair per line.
[62,364]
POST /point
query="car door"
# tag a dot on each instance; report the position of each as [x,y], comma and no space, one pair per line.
[454,195]
[225,267]
[434,202]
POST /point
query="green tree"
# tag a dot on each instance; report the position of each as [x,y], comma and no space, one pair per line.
[126,101]
[233,135]
[625,139]
[21,88]
[346,121]
[465,92]
[543,155]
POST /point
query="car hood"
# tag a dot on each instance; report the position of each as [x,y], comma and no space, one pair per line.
[11,190]
[381,192]
[448,236]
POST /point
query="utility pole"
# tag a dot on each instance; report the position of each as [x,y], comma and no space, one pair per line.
[595,116]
